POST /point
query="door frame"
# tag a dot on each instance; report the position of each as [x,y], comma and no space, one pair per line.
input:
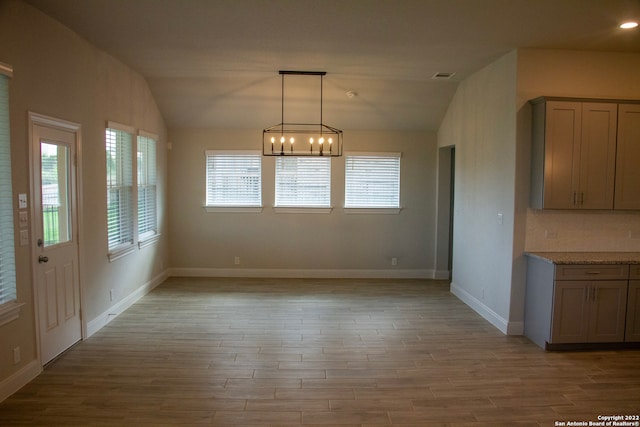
[35,119]
[445,210]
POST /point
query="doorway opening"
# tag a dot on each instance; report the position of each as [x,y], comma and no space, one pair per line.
[445,209]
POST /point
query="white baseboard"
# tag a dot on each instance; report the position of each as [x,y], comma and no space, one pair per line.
[303,273]
[103,319]
[506,327]
[18,380]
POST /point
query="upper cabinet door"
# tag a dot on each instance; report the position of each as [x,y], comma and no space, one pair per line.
[597,156]
[562,135]
[627,187]
[573,158]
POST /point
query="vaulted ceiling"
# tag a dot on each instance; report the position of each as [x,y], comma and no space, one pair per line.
[214,63]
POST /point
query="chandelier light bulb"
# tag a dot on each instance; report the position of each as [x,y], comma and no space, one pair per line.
[291,140]
[273,140]
[321,141]
[282,139]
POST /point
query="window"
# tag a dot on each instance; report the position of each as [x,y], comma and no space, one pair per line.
[120,206]
[147,188]
[7,259]
[303,182]
[234,179]
[372,180]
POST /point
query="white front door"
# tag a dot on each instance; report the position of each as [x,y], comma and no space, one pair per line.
[55,231]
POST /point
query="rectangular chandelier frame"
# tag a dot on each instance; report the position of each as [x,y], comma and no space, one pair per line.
[302,139]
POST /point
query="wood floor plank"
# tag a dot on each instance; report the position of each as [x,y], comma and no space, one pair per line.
[280,352]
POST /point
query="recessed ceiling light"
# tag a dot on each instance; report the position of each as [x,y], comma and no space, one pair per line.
[628,25]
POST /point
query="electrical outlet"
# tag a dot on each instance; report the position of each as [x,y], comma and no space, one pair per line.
[17,357]
[111,294]
[500,218]
[236,260]
[394,261]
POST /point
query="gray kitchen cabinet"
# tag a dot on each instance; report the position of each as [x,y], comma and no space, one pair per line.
[632,333]
[588,307]
[570,316]
[575,303]
[627,181]
[573,154]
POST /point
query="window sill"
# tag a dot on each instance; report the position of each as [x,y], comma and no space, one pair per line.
[301,210]
[372,211]
[9,312]
[121,252]
[233,209]
[148,240]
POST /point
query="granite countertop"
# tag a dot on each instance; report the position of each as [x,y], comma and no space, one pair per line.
[587,257]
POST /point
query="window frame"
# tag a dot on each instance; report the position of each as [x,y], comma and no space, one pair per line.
[9,305]
[283,206]
[122,248]
[253,206]
[355,208]
[147,182]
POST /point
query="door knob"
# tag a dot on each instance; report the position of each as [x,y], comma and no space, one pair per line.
[42,259]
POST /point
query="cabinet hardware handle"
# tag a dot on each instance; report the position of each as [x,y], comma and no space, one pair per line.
[581,198]
[42,259]
[592,272]
[574,198]
[595,294]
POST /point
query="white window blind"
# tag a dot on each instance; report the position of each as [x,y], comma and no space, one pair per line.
[147,187]
[234,179]
[119,188]
[7,258]
[303,182]
[372,180]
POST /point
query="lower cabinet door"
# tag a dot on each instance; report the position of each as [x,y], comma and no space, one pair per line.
[570,312]
[632,333]
[607,309]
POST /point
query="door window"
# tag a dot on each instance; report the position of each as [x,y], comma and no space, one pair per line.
[56,209]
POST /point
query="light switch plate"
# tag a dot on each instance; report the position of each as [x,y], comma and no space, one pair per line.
[24,221]
[24,237]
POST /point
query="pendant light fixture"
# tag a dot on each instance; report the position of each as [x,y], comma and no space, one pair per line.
[302,139]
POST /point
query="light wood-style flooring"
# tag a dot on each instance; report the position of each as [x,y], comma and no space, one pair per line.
[280,352]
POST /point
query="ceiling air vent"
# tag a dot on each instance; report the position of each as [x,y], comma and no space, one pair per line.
[442,76]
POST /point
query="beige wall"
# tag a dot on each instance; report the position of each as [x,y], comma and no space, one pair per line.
[58,74]
[480,123]
[269,243]
[489,122]
[589,75]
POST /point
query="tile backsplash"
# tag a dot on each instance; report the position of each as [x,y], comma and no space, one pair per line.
[572,231]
